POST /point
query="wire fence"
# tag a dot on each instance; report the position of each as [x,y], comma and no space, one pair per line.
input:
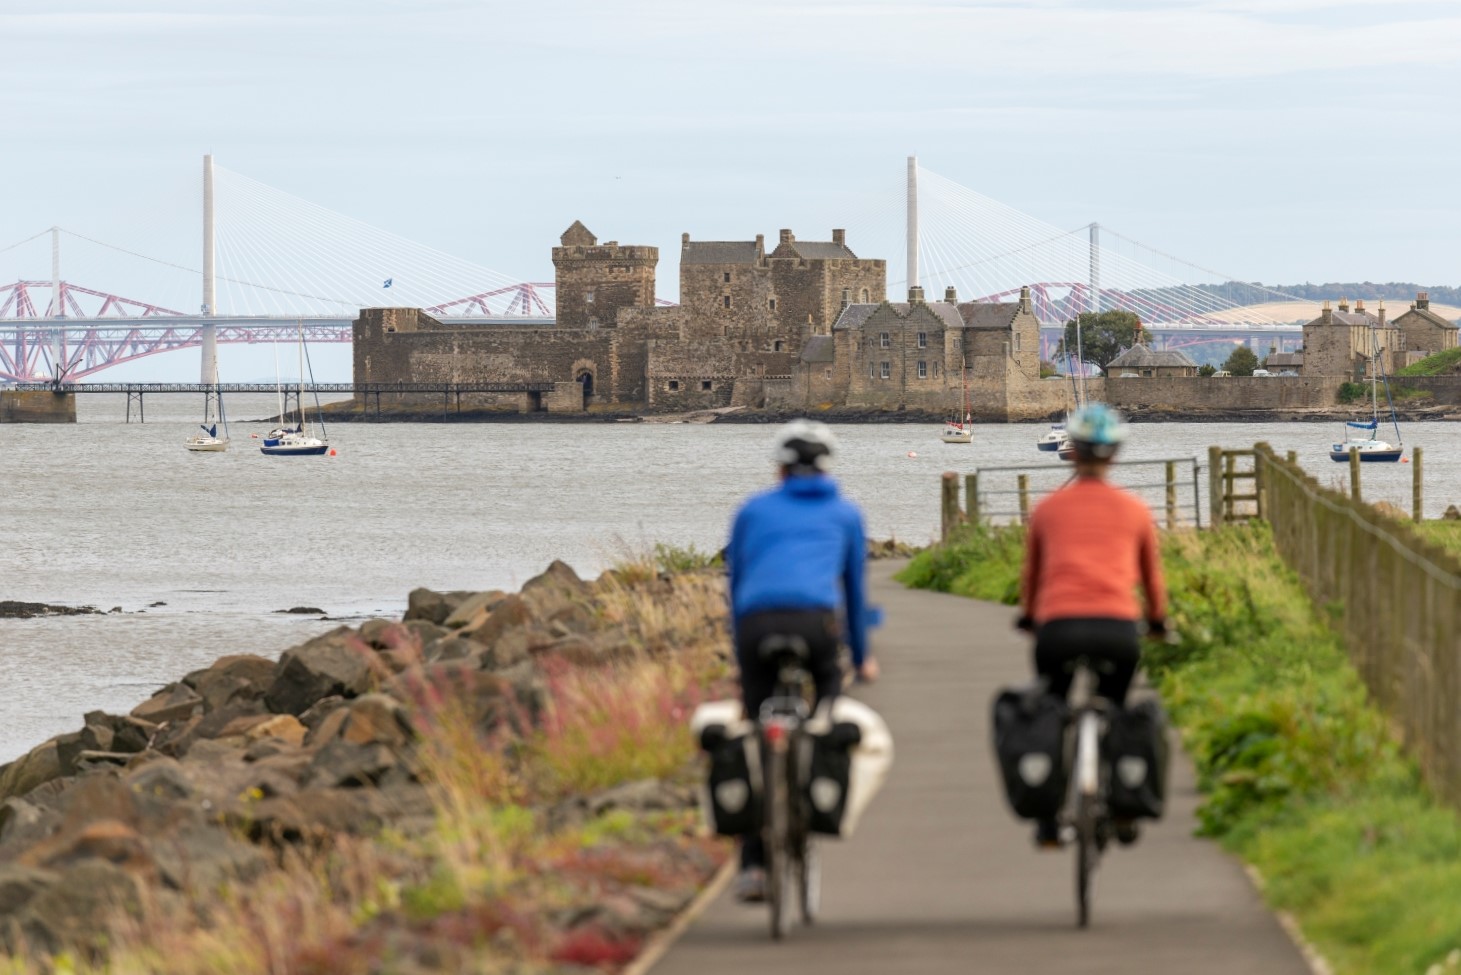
[1396,599]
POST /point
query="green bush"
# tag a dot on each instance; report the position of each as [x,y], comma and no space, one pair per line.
[1434,365]
[1353,392]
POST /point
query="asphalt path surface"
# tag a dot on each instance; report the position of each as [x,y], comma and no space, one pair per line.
[941,877]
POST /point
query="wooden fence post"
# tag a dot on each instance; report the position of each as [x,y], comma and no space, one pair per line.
[1215,485]
[1171,494]
[971,497]
[1024,499]
[950,505]
[1293,456]
[1416,508]
[1260,480]
[1354,473]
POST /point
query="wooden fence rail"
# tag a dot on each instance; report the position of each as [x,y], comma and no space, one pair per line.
[1397,602]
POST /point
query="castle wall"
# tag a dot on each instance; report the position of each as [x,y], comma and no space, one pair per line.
[595,281]
[1225,393]
[30,406]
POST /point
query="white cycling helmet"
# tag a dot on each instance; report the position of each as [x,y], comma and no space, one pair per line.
[805,444]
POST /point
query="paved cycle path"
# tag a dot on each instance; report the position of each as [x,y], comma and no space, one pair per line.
[941,878]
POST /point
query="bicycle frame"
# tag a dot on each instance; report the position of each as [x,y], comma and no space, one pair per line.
[787,845]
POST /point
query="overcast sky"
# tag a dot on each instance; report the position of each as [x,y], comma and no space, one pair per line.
[1280,140]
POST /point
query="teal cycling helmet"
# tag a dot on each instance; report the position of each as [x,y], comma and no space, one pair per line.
[1096,430]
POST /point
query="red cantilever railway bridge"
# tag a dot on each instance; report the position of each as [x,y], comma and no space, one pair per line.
[124,329]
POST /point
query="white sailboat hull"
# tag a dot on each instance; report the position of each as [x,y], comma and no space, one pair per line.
[206,445]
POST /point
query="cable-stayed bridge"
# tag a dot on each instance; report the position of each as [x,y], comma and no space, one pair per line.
[275,265]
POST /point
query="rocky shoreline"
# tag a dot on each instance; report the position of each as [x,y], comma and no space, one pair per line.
[506,774]
[855,415]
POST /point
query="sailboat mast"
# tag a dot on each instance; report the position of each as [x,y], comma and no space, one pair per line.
[299,395]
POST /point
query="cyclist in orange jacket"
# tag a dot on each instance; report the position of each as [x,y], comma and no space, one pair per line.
[1087,547]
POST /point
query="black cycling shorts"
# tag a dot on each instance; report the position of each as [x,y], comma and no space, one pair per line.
[1112,646]
[758,677]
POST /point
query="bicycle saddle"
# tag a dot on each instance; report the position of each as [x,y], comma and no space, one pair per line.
[774,647]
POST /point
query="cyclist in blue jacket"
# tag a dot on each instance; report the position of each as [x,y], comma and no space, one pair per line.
[796,558]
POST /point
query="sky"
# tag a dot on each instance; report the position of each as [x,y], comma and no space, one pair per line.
[1276,140]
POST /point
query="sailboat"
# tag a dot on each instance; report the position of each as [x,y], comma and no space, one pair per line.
[295,440]
[208,441]
[1361,435]
[954,431]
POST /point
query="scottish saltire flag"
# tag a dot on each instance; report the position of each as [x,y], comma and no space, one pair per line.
[388,282]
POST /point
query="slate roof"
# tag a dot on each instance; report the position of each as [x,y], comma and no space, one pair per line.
[817,250]
[853,316]
[1139,356]
[1349,318]
[1428,315]
[819,348]
[718,252]
[983,314]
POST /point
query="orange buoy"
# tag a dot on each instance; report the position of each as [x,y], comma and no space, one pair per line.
[332,451]
[912,454]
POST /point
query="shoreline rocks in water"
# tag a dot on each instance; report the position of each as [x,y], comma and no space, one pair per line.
[233,773]
[13,609]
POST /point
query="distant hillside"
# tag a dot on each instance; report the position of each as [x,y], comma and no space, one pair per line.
[1244,293]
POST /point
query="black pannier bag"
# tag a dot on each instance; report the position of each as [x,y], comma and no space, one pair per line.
[1029,742]
[1137,755]
[826,776]
[734,785]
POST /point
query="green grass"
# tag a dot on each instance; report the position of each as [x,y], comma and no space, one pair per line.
[1434,365]
[1446,533]
[1302,776]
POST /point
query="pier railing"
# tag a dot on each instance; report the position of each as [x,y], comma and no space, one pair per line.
[1396,599]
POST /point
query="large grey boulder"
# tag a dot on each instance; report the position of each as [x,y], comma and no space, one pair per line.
[339,662]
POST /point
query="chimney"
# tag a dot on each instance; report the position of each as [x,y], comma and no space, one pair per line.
[760,243]
[1422,300]
[786,236]
[1344,304]
[951,296]
[915,295]
[1326,315]
[1380,312]
[839,237]
[1359,306]
[684,239]
[1025,300]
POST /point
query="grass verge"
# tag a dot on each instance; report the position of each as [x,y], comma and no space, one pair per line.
[1302,776]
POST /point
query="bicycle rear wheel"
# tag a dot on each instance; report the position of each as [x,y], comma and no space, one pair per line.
[1086,855]
[809,881]
[778,852]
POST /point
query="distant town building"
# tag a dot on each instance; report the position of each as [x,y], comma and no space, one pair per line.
[1151,363]
[1425,332]
[1340,342]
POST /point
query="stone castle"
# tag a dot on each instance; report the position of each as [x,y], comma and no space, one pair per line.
[803,326]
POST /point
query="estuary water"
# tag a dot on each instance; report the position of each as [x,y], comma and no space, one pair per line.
[201,551]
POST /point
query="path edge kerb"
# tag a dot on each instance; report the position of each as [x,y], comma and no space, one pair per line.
[662,940]
[1315,959]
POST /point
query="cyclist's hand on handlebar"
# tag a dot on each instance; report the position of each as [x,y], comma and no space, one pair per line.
[1025,624]
[1156,629]
[869,671]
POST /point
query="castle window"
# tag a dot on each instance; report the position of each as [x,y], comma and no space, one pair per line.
[390,328]
[872,370]
[727,277]
[923,340]
[588,296]
[829,373]
[922,369]
[725,299]
[864,296]
[674,385]
[887,370]
[883,339]
[778,346]
[1017,341]
[771,304]
[846,297]
[705,384]
[935,368]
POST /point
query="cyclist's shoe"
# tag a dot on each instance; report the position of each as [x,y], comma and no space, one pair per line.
[1047,835]
[1127,831]
[750,886]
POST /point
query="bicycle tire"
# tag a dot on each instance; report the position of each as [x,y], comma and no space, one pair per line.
[778,853]
[809,882]
[1086,854]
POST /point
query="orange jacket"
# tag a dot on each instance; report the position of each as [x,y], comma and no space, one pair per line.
[1087,547]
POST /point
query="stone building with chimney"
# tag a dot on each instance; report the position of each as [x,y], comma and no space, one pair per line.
[1340,342]
[1424,332]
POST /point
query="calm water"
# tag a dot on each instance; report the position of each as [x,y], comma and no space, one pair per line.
[117,515]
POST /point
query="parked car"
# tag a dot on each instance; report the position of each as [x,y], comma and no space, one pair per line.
[1261,372]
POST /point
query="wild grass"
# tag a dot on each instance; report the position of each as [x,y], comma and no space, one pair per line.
[1302,776]
[1443,533]
[475,888]
[1434,365]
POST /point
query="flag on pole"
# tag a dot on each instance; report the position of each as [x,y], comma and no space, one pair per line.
[388,282]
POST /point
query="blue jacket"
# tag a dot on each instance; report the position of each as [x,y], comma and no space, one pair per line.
[801,546]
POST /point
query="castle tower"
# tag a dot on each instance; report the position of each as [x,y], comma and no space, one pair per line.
[595,280]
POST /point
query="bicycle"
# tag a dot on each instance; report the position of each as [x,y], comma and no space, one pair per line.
[1090,816]
[790,855]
